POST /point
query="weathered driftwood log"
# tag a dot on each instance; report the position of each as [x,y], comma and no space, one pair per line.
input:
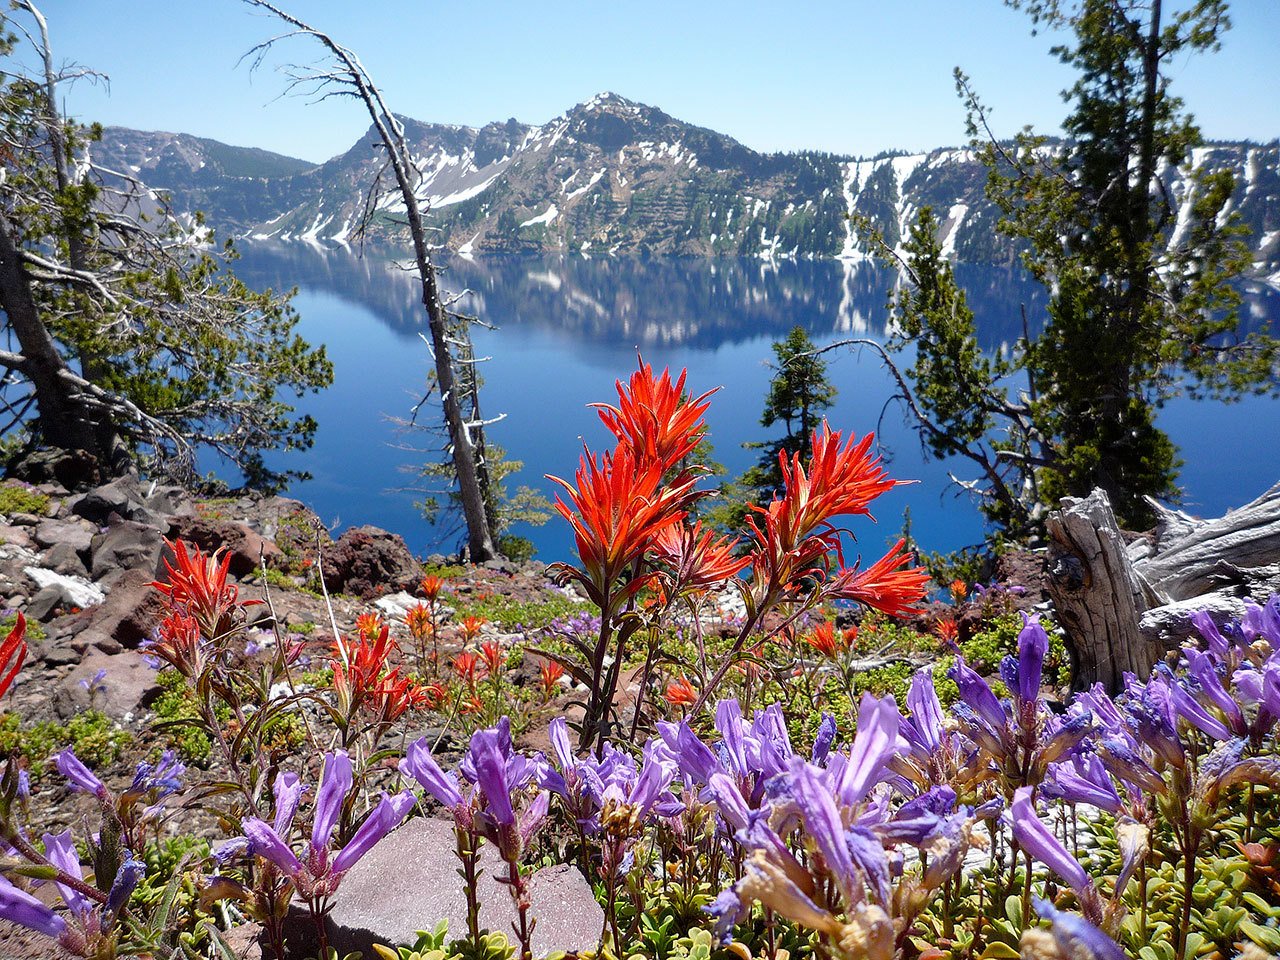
[1096,593]
[1122,608]
[1238,552]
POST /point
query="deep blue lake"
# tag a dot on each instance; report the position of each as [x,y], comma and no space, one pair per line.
[569,327]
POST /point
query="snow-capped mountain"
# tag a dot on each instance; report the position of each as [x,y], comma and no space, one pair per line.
[612,176]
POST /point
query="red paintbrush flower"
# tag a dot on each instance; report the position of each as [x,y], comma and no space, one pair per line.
[395,695]
[550,673]
[13,653]
[471,627]
[825,640]
[620,505]
[697,559]
[464,665]
[654,419]
[197,587]
[959,590]
[680,692]
[493,657]
[885,585]
[357,679]
[369,625]
[180,645]
[431,585]
[840,481]
[418,619]
[948,630]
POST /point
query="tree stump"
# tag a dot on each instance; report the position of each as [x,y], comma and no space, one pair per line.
[1097,595]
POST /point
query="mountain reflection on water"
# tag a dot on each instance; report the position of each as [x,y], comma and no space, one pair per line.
[569,326]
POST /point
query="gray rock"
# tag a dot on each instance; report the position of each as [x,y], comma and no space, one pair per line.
[129,685]
[122,497]
[420,855]
[58,653]
[65,559]
[47,599]
[76,533]
[127,545]
[132,609]
[23,519]
[16,536]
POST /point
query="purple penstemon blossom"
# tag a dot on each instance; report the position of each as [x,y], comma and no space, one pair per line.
[874,743]
[81,931]
[1039,843]
[80,777]
[493,803]
[318,872]
[1068,936]
[1082,780]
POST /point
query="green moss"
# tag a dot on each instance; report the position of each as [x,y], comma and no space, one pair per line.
[175,711]
[445,571]
[94,737]
[510,613]
[17,497]
[35,629]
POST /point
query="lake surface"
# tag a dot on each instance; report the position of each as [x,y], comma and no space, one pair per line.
[569,327]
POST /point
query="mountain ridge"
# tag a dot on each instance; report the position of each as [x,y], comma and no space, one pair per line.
[615,176]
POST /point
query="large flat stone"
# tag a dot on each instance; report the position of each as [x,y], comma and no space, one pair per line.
[128,687]
[410,882]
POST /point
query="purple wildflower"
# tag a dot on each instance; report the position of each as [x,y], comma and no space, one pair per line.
[873,745]
[1072,936]
[81,778]
[20,907]
[1040,844]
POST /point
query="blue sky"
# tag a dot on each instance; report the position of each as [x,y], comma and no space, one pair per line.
[852,77]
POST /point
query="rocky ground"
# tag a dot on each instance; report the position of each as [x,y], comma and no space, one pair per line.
[80,568]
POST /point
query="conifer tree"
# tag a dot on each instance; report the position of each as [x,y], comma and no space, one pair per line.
[1141,305]
[134,341]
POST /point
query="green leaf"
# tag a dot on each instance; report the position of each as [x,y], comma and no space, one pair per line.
[999,951]
[1268,938]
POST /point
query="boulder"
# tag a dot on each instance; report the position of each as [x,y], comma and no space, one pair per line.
[130,613]
[245,547]
[127,545]
[170,501]
[420,856]
[16,536]
[122,497]
[127,687]
[369,562]
[65,559]
[71,469]
[75,533]
[45,602]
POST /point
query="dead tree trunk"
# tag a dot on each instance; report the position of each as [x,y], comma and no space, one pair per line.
[63,420]
[1097,595]
[350,76]
[1122,606]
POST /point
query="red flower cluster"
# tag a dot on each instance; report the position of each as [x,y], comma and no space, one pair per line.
[365,681]
[181,645]
[654,419]
[629,507]
[680,692]
[197,588]
[550,673]
[824,639]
